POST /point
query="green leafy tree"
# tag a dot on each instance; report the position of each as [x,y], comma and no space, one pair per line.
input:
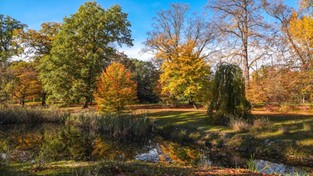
[115,89]
[146,74]
[8,48]
[229,99]
[8,27]
[82,49]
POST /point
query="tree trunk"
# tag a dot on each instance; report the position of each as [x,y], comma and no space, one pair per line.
[245,41]
[90,104]
[43,99]
[22,102]
[246,74]
[86,102]
[193,103]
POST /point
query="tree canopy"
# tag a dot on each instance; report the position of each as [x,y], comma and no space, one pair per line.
[186,76]
[115,89]
[82,49]
[8,26]
[229,98]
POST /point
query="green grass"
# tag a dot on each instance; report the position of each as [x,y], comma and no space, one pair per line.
[194,120]
[292,134]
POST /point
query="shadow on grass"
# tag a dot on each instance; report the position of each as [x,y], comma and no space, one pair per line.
[183,126]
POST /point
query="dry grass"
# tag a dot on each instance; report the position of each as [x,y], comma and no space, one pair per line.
[260,124]
[239,125]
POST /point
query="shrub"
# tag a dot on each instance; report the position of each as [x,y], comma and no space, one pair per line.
[260,124]
[37,115]
[239,125]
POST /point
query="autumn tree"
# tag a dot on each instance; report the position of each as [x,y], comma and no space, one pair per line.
[242,31]
[274,84]
[186,77]
[38,44]
[301,32]
[146,74]
[25,84]
[179,36]
[292,30]
[228,96]
[81,50]
[115,89]
[295,36]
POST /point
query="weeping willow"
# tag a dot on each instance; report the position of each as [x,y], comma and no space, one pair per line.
[228,100]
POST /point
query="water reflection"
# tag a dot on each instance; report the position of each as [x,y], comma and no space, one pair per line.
[50,142]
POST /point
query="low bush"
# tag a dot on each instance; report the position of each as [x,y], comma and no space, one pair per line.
[239,125]
[35,115]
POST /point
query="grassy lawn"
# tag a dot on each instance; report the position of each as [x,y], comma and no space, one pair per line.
[288,137]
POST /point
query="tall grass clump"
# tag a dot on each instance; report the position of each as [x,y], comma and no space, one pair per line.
[35,115]
[125,126]
[260,124]
[115,126]
[240,125]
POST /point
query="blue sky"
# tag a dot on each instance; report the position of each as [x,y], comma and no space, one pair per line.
[140,14]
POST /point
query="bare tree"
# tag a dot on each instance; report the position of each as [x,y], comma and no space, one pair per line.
[176,26]
[242,31]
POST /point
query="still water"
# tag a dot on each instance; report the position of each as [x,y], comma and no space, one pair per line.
[51,142]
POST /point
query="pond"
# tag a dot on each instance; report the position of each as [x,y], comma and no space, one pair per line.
[51,142]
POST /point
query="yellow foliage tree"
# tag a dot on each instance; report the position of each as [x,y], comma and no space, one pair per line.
[301,30]
[115,89]
[186,76]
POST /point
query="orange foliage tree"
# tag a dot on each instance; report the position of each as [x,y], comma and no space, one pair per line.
[25,84]
[115,89]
